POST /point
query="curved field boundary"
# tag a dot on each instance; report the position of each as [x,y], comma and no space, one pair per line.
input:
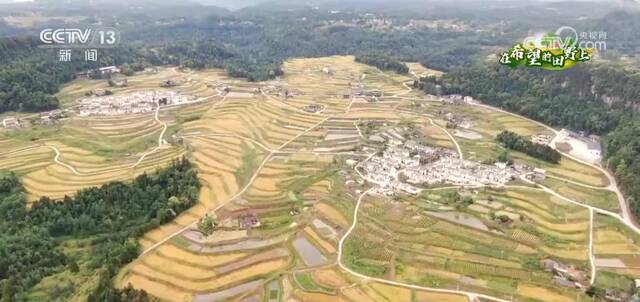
[470,295]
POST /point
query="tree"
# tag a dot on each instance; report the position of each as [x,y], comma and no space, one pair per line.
[175,202]
[621,172]
[127,69]
[109,218]
[504,219]
[595,291]
[73,266]
[8,290]
[504,157]
[383,62]
[207,225]
[467,200]
[516,142]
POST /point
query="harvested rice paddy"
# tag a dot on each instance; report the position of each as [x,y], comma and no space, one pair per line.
[260,156]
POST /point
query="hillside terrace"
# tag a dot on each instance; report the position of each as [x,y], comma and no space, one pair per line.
[137,102]
[404,166]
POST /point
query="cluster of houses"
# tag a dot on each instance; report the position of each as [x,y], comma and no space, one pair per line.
[137,102]
[456,99]
[370,95]
[565,275]
[51,117]
[100,72]
[581,135]
[439,24]
[572,277]
[381,23]
[280,91]
[11,122]
[241,220]
[458,120]
[405,165]
[541,139]
[248,221]
[313,108]
[45,119]
[453,170]
[368,20]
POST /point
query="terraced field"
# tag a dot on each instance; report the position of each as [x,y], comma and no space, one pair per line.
[402,240]
[616,250]
[271,195]
[488,123]
[53,168]
[191,83]
[294,217]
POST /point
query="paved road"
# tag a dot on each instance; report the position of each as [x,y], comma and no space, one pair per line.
[624,205]
[56,159]
[160,139]
[244,189]
[470,295]
[142,158]
[592,210]
[451,137]
[194,223]
[595,209]
[160,143]
[625,218]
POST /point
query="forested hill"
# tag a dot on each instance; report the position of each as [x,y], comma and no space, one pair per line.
[85,239]
[250,43]
[253,42]
[589,98]
[29,76]
[25,84]
[383,62]
[622,26]
[598,99]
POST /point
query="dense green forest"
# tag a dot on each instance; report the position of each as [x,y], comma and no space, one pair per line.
[622,148]
[600,99]
[104,221]
[30,75]
[26,85]
[513,141]
[250,44]
[557,98]
[383,62]
[253,43]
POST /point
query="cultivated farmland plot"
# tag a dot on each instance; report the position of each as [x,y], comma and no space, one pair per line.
[297,219]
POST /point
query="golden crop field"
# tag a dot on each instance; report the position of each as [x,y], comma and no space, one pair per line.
[283,183]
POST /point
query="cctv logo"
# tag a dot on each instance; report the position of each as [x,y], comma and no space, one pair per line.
[79,38]
[65,36]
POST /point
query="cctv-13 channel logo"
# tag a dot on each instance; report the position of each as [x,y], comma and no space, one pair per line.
[79,38]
